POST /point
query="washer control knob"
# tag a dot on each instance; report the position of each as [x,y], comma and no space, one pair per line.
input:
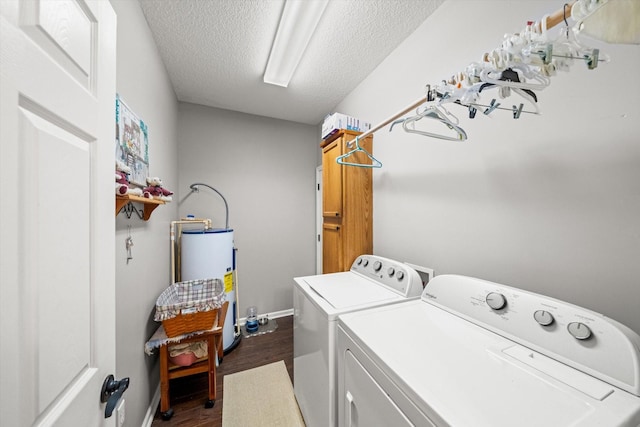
[543,317]
[365,262]
[496,301]
[359,261]
[377,266]
[400,275]
[579,330]
[391,271]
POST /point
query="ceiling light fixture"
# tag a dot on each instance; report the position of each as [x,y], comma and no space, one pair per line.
[297,24]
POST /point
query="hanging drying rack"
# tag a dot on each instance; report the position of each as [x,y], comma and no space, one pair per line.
[547,22]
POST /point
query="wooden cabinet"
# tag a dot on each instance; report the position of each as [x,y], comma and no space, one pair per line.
[347,204]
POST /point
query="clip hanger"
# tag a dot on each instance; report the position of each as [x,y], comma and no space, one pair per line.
[510,77]
[528,96]
[507,90]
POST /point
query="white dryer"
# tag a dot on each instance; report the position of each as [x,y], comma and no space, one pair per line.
[317,301]
[476,353]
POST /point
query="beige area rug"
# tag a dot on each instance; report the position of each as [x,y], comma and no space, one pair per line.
[260,396]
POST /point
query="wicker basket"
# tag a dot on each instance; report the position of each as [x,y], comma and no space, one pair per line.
[186,323]
[191,306]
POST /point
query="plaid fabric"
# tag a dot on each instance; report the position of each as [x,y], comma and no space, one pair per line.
[190,297]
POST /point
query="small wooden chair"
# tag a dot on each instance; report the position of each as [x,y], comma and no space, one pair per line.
[169,371]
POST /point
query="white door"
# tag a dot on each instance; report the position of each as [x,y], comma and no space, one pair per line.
[365,403]
[57,114]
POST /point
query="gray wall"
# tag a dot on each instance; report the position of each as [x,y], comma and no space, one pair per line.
[144,85]
[265,168]
[548,203]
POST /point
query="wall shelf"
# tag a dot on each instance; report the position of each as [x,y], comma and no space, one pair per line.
[148,205]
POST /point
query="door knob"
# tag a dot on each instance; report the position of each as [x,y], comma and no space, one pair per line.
[111,393]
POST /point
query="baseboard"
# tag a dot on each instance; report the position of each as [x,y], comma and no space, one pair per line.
[151,410]
[281,313]
[272,315]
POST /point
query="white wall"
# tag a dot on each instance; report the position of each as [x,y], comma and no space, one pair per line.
[265,168]
[144,85]
[548,203]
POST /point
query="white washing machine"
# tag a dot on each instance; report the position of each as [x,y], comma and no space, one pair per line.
[317,301]
[476,353]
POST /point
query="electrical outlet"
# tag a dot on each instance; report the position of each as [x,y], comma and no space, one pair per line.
[120,413]
[425,273]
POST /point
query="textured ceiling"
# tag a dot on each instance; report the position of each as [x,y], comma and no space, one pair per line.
[215,51]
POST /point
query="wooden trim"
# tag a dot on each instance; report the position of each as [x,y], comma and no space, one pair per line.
[339,133]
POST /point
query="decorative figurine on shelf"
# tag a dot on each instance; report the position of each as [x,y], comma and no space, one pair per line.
[122,181]
[156,189]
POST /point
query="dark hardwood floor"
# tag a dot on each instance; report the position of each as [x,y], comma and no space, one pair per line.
[189,394]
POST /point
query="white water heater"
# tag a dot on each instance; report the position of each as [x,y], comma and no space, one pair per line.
[210,254]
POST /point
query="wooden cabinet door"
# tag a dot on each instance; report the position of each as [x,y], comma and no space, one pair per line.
[347,205]
[332,180]
[332,256]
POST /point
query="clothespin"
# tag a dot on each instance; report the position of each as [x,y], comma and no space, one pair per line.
[517,111]
[547,54]
[429,94]
[492,106]
[592,60]
[472,111]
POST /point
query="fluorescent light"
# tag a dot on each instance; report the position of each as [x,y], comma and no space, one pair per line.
[297,24]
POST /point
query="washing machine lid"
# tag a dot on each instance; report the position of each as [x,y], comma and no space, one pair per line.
[458,373]
[348,290]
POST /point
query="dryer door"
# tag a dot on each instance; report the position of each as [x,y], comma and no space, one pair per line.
[365,402]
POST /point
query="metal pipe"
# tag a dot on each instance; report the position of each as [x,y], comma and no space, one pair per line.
[235,273]
[172,233]
[238,334]
[194,187]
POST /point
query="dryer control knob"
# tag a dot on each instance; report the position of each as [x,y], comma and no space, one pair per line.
[400,275]
[543,317]
[377,266]
[365,262]
[579,330]
[391,271]
[496,301]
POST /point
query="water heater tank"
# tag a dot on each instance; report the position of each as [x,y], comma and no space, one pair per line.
[210,254]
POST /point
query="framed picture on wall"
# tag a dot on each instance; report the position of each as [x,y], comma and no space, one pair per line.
[132,143]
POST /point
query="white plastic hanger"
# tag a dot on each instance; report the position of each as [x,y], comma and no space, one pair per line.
[523,72]
[433,112]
